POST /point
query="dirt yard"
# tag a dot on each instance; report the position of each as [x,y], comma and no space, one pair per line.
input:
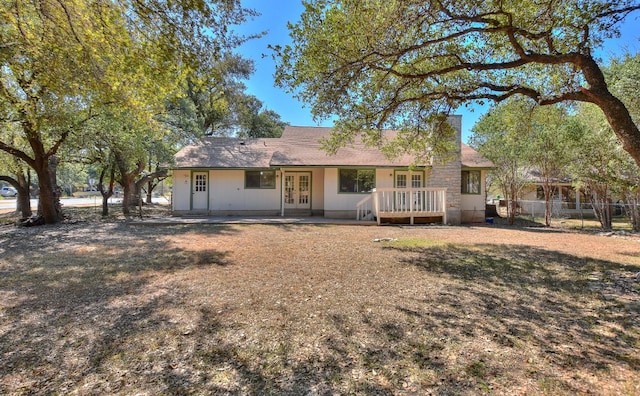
[122,308]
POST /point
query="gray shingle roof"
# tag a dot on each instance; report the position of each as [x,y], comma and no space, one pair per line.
[298,146]
[473,159]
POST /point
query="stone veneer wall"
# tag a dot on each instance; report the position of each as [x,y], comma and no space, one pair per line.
[449,175]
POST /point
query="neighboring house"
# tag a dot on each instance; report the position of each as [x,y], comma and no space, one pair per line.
[566,201]
[293,176]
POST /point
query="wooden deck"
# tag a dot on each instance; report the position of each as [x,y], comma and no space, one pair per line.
[423,204]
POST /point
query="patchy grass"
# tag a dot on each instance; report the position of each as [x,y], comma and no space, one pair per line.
[617,223]
[415,243]
[114,308]
[589,224]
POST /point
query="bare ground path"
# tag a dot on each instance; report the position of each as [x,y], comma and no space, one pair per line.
[120,308]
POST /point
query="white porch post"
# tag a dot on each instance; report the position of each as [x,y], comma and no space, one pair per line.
[376,204]
[444,203]
[281,192]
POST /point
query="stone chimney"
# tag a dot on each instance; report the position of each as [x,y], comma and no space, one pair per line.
[449,174]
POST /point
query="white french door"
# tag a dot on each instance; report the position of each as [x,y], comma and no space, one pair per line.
[297,190]
[405,180]
[200,191]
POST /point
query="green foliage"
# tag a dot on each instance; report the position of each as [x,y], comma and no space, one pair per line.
[600,166]
[601,158]
[256,122]
[503,136]
[396,64]
[72,177]
[63,62]
[218,106]
[557,141]
[623,76]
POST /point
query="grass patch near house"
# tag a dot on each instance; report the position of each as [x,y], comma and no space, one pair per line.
[414,243]
[617,223]
[110,307]
[588,224]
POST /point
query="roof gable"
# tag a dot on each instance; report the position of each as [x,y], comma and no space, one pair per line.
[472,159]
[226,153]
[298,146]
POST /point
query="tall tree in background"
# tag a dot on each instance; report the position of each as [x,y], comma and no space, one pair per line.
[122,148]
[254,121]
[62,59]
[595,168]
[548,147]
[600,166]
[623,75]
[500,136]
[379,63]
[14,171]
[208,96]
[213,102]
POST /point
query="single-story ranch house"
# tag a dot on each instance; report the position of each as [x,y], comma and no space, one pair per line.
[293,176]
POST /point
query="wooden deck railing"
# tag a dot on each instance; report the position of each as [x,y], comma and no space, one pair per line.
[364,209]
[403,202]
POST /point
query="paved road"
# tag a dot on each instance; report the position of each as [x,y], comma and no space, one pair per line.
[10,203]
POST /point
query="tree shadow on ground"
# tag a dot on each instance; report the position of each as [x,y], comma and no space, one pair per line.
[500,314]
[72,295]
[560,306]
[104,316]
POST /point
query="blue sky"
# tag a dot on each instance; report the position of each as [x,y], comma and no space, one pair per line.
[274,17]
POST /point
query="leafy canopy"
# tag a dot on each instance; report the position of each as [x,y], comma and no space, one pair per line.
[61,61]
[395,64]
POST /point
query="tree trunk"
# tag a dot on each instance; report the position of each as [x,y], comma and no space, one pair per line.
[20,183]
[632,209]
[547,202]
[49,200]
[624,127]
[23,203]
[128,194]
[150,187]
[106,193]
[159,174]
[127,181]
[105,205]
[601,203]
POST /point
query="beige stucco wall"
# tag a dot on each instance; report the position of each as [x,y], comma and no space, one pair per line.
[338,205]
[228,193]
[384,178]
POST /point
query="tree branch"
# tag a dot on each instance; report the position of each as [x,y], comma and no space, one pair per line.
[151,176]
[17,153]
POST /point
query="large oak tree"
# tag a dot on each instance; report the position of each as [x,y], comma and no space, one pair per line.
[386,63]
[60,60]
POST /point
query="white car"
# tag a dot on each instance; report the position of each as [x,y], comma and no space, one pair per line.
[8,192]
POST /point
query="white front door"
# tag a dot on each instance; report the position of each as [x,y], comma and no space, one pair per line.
[403,198]
[297,190]
[200,191]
